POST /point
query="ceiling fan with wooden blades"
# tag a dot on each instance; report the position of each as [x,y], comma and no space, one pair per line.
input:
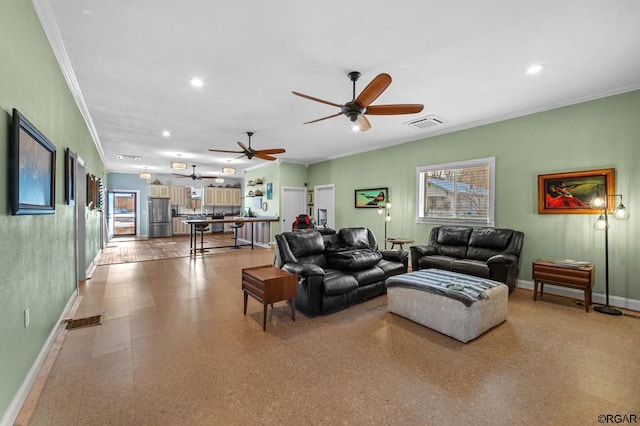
[194,175]
[357,108]
[247,151]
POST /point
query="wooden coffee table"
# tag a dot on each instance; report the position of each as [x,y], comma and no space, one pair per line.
[268,284]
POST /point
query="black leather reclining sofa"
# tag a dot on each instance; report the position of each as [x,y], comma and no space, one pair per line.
[338,270]
[480,251]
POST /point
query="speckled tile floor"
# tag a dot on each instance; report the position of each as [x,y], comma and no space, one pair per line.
[175,349]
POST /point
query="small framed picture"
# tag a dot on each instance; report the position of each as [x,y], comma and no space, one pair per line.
[310,197]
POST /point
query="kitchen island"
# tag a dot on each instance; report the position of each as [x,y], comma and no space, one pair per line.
[194,223]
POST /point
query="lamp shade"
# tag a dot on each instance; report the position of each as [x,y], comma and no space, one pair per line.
[601,223]
[228,170]
[145,175]
[178,165]
[621,213]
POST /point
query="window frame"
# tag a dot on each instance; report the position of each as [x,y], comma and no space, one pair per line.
[420,192]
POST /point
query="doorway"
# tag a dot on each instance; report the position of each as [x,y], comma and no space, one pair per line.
[122,213]
[294,201]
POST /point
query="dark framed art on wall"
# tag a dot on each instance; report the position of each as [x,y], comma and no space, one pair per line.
[69,176]
[370,198]
[32,169]
[572,192]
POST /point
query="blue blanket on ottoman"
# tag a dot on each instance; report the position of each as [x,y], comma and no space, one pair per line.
[464,288]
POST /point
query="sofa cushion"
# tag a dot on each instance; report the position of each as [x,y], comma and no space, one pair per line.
[304,243]
[353,260]
[491,238]
[453,236]
[438,262]
[368,275]
[471,267]
[391,267]
[355,237]
[337,282]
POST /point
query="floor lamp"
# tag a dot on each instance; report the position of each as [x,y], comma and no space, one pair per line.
[387,218]
[602,224]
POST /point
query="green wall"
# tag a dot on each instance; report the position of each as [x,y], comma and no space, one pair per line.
[597,134]
[37,253]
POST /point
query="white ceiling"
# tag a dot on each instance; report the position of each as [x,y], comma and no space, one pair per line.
[130,64]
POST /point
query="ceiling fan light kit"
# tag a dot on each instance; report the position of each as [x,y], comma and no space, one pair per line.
[358,107]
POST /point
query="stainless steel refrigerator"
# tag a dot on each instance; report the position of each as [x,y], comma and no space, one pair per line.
[159,217]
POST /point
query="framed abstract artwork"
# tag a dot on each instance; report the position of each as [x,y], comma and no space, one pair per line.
[69,177]
[572,192]
[32,169]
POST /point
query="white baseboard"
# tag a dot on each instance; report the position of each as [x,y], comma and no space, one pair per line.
[10,415]
[599,298]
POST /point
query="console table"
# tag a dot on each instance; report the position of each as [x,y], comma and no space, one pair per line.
[268,284]
[556,273]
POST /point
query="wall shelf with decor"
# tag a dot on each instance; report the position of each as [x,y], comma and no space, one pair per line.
[255,182]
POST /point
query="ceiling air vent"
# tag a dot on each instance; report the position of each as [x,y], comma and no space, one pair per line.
[425,122]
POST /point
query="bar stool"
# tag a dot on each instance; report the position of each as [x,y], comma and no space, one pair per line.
[235,227]
[201,228]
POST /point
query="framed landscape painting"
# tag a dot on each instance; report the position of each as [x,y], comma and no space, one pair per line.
[371,198]
[572,192]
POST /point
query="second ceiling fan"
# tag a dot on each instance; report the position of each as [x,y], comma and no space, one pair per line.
[247,151]
[357,108]
[194,176]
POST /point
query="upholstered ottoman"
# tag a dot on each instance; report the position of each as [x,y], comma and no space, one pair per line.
[458,305]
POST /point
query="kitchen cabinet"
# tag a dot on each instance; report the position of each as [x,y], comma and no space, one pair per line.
[178,195]
[228,196]
[209,196]
[236,197]
[261,233]
[179,228]
[159,191]
[221,197]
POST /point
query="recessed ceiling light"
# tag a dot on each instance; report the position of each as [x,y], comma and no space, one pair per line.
[534,69]
[166,133]
[196,82]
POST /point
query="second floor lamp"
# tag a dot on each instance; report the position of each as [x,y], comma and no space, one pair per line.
[602,224]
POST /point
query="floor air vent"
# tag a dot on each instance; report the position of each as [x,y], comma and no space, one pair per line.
[84,322]
[425,122]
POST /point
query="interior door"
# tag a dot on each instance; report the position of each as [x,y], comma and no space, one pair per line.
[81,224]
[294,200]
[325,199]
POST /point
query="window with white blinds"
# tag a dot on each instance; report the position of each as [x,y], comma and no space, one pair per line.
[461,192]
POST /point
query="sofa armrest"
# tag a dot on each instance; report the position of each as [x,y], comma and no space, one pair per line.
[303,270]
[504,268]
[395,256]
[310,286]
[417,252]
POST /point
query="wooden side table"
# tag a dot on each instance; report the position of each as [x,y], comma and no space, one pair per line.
[269,285]
[554,273]
[399,241]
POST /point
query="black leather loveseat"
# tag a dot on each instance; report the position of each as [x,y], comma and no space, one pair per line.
[337,270]
[483,252]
